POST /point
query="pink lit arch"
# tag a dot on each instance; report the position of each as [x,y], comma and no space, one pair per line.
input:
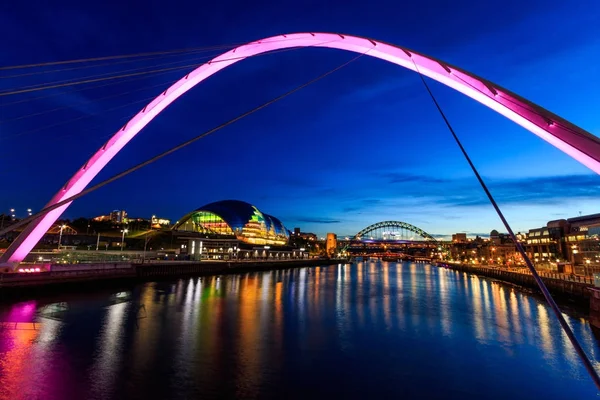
[576,142]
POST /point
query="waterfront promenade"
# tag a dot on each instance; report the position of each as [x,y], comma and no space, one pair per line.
[79,273]
[541,272]
[575,287]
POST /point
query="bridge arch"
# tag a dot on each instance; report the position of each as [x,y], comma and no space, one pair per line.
[576,142]
[394,224]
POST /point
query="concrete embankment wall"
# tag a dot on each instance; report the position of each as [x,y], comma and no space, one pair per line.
[81,273]
[577,291]
[97,273]
[209,268]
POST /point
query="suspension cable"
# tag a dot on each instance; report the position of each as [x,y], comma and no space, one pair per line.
[87,88]
[116,73]
[85,81]
[530,109]
[184,50]
[127,80]
[79,118]
[34,130]
[82,82]
[125,56]
[173,149]
[90,101]
[563,323]
[108,64]
[89,115]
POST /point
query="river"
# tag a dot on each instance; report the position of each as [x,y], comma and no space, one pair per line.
[368,330]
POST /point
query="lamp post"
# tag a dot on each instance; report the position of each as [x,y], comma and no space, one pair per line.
[146,240]
[587,265]
[574,250]
[60,235]
[124,231]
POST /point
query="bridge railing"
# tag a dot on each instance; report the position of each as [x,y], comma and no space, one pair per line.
[544,274]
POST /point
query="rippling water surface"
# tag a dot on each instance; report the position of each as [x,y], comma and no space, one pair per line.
[373,330]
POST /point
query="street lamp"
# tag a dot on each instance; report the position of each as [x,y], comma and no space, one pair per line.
[574,251]
[124,231]
[147,238]
[587,265]
[60,235]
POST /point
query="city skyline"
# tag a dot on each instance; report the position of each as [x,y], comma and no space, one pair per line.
[321,174]
[108,215]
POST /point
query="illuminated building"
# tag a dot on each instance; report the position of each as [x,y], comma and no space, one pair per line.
[545,245]
[331,244]
[119,217]
[304,235]
[582,242]
[232,229]
[160,222]
[236,219]
[459,238]
[572,244]
[569,138]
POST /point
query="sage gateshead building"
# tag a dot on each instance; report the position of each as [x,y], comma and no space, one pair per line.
[232,229]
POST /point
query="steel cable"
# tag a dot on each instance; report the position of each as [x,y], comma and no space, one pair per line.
[146,54]
[42,212]
[549,299]
[125,56]
[86,81]
[127,61]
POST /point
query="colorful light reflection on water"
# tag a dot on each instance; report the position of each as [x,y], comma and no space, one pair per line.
[368,330]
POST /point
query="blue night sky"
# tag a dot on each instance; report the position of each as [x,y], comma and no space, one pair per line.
[361,146]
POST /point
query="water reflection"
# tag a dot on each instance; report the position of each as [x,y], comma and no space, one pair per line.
[24,338]
[478,313]
[108,358]
[294,334]
[444,305]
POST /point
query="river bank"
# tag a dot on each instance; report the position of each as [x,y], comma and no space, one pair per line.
[74,276]
[347,330]
[566,290]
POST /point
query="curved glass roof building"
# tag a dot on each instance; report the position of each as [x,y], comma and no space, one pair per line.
[237,219]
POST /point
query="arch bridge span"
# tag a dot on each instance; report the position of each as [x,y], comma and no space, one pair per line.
[393,231]
[392,240]
[569,138]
